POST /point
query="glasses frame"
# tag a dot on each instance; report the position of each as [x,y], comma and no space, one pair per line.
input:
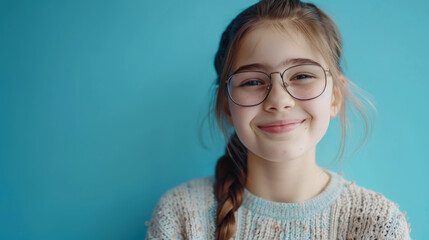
[269,87]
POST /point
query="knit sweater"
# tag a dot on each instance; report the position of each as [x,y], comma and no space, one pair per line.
[342,211]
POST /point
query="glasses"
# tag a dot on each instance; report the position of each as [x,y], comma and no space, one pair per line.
[302,82]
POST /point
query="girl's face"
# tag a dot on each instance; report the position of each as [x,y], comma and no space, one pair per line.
[281,128]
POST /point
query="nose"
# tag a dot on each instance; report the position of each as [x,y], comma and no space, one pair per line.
[278,99]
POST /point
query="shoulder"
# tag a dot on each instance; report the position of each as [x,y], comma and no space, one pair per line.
[179,205]
[361,200]
[196,192]
[365,213]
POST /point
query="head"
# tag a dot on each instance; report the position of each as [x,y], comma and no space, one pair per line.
[293,18]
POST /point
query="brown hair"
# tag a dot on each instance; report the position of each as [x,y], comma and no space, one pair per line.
[321,31]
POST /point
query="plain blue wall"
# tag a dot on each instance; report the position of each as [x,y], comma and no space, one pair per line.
[101,104]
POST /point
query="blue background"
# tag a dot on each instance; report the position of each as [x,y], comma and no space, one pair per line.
[103,107]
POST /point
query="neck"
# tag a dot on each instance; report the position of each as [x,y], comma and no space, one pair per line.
[285,181]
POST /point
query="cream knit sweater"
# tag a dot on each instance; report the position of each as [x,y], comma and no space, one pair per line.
[342,211]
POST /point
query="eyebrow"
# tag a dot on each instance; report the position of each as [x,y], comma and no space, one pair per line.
[287,62]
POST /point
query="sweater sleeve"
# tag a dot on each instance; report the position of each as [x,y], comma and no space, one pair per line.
[397,227]
[166,221]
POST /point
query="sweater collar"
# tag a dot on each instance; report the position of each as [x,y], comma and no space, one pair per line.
[296,210]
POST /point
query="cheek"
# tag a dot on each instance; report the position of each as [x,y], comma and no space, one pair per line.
[241,119]
[240,116]
[320,113]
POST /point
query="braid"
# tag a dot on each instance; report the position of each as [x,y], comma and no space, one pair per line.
[229,187]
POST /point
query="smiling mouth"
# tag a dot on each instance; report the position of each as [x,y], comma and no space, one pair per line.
[281,126]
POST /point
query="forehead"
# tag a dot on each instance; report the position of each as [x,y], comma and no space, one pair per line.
[272,47]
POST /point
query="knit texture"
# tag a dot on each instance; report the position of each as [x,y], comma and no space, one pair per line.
[342,211]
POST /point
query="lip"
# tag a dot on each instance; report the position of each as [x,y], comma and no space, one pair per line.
[282,126]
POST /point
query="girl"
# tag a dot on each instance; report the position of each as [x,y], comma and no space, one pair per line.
[279,84]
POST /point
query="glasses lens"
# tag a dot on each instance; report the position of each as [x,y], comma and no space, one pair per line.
[305,81]
[248,88]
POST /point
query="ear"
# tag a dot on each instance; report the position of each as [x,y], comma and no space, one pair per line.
[337,98]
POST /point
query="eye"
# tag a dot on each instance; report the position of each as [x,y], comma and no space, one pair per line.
[301,76]
[252,82]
